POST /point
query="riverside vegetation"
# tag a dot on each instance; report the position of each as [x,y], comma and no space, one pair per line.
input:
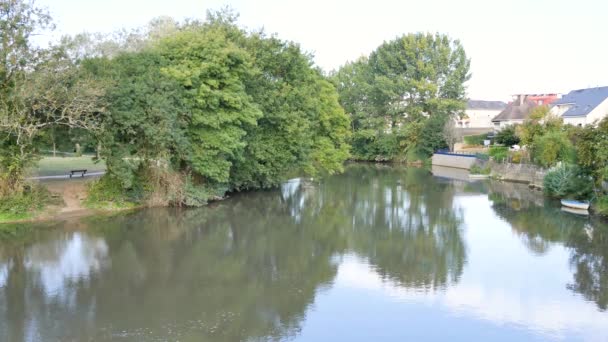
[183,112]
[576,157]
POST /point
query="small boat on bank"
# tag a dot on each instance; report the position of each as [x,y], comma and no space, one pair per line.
[575,204]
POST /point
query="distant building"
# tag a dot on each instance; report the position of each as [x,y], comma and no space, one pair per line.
[516,111]
[479,114]
[583,106]
[543,99]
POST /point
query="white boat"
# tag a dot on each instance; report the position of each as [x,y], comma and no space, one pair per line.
[575,204]
[582,212]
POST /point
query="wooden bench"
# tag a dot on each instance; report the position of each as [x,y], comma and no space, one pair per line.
[82,172]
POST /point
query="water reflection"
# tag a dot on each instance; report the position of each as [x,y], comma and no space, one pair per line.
[257,267]
[63,262]
[542,225]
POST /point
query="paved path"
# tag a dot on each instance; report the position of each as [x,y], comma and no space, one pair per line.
[92,174]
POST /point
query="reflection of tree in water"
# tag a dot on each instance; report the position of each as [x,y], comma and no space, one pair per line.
[544,225]
[244,269]
[238,271]
[590,260]
[401,220]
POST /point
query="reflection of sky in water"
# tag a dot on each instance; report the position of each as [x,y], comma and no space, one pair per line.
[289,191]
[4,269]
[64,261]
[503,285]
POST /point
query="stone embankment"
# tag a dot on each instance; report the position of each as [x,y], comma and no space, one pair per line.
[520,173]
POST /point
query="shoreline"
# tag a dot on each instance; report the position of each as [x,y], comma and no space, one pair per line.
[77,210]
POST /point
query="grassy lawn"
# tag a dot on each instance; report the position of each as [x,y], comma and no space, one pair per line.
[55,166]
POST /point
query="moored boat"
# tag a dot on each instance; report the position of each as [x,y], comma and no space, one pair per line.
[583,212]
[575,204]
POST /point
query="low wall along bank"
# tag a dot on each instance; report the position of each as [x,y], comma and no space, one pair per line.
[521,173]
[453,160]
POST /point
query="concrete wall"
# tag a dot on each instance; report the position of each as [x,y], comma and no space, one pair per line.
[523,173]
[457,161]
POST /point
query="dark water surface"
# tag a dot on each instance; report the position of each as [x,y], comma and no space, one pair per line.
[375,254]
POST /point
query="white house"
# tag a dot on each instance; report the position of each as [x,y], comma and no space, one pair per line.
[479,114]
[515,113]
[583,106]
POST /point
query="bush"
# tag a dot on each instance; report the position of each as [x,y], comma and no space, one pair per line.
[499,153]
[23,205]
[516,157]
[568,181]
[507,136]
[478,170]
[108,192]
[601,206]
[553,147]
[475,139]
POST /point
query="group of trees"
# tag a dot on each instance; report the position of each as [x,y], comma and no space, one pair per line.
[181,112]
[404,96]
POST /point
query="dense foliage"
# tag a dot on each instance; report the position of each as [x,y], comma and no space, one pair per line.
[179,112]
[578,156]
[401,96]
[567,181]
[507,136]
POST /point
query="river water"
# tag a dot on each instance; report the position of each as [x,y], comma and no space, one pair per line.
[376,254]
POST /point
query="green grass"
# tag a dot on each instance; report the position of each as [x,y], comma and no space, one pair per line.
[56,166]
[8,217]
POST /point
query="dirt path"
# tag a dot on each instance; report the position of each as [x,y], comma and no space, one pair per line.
[73,192]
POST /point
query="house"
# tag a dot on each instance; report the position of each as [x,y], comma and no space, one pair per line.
[516,111]
[479,114]
[543,99]
[583,106]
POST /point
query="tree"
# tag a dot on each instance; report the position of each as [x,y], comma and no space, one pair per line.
[38,89]
[403,84]
[592,150]
[211,69]
[146,115]
[507,136]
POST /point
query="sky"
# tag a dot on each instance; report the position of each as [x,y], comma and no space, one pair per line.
[515,46]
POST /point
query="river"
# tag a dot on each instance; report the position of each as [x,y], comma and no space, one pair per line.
[378,253]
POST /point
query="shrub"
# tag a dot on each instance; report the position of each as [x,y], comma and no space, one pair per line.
[108,192]
[475,139]
[22,205]
[478,170]
[516,157]
[553,147]
[568,181]
[507,136]
[601,206]
[499,153]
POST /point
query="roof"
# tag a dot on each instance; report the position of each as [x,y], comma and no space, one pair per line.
[583,101]
[516,111]
[488,105]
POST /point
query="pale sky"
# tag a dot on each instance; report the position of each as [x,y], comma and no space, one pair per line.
[516,46]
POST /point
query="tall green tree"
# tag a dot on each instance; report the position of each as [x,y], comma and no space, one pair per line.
[404,93]
[212,69]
